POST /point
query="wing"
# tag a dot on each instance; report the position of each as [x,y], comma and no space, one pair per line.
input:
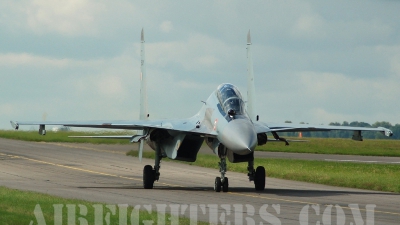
[262,127]
[190,125]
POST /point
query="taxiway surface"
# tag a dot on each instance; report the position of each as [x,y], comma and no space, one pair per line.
[103,173]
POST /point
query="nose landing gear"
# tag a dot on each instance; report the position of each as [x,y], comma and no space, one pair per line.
[221,182]
[257,175]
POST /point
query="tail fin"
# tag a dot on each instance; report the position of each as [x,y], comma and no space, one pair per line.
[251,93]
[144,113]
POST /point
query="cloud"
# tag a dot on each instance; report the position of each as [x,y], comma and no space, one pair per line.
[309,26]
[110,85]
[396,65]
[166,26]
[7,109]
[198,52]
[392,53]
[313,62]
[67,89]
[70,17]
[317,97]
[26,59]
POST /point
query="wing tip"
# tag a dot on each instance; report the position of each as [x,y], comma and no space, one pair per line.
[386,132]
[14,125]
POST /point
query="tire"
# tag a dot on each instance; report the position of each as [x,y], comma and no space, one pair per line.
[225,185]
[217,184]
[259,179]
[148,177]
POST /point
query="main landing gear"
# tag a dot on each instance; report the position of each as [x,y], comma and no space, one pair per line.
[258,176]
[149,174]
[221,182]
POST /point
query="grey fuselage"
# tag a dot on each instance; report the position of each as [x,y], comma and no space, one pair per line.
[223,114]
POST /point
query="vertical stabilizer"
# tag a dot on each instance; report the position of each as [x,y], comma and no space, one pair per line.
[251,93]
[144,114]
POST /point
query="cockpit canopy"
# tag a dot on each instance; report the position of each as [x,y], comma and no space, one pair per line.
[230,99]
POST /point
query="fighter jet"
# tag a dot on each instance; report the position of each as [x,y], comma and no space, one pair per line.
[227,123]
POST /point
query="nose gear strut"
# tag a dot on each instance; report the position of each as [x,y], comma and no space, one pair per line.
[221,182]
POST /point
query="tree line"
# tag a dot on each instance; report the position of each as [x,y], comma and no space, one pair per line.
[349,134]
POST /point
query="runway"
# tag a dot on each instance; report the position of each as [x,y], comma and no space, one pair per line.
[103,173]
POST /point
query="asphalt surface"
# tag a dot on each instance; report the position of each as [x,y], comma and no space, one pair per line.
[103,173]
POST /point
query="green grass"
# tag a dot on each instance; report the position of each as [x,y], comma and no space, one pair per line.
[62,136]
[17,207]
[337,146]
[379,177]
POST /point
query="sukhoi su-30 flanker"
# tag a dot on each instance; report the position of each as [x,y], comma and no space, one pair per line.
[230,128]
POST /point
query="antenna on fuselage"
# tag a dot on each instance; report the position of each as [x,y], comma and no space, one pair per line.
[251,93]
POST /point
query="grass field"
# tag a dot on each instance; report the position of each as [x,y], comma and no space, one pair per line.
[337,146]
[379,177]
[18,207]
[62,136]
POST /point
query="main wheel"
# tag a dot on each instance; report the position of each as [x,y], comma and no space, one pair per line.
[148,177]
[225,185]
[259,178]
[217,184]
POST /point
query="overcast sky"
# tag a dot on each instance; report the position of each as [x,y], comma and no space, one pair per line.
[314,61]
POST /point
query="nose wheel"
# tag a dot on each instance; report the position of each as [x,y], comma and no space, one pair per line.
[217,184]
[221,185]
[225,185]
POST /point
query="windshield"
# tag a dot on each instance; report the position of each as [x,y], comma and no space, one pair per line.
[230,99]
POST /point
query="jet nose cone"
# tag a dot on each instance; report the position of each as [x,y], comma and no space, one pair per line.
[239,136]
